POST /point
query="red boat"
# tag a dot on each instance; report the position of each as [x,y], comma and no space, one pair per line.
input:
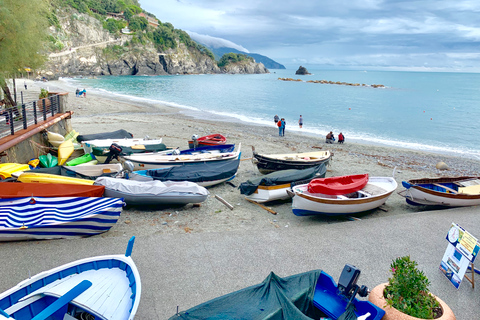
[338,185]
[210,140]
[21,189]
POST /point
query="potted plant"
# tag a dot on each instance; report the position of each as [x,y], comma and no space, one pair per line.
[43,96]
[406,295]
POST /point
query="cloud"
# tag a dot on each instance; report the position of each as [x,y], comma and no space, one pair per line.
[215,42]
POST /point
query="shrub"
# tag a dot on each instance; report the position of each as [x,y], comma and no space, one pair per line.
[407,290]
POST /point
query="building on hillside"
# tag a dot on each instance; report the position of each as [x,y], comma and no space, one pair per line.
[151,21]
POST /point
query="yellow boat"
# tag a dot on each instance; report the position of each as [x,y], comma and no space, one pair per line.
[34,177]
[6,169]
[65,150]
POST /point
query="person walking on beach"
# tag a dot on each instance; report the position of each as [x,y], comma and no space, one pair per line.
[341,138]
[25,84]
[84,93]
[284,123]
[276,119]
[279,125]
[300,122]
[77,92]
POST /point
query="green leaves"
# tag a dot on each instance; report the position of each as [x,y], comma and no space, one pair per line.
[407,289]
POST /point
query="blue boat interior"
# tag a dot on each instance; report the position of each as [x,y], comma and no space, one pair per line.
[328,300]
[53,308]
[443,187]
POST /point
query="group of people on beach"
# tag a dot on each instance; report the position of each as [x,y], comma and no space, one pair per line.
[280,122]
[79,93]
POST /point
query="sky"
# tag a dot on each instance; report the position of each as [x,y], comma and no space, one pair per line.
[426,35]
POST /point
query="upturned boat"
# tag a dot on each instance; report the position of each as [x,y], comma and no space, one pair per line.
[210,140]
[118,134]
[82,171]
[274,186]
[153,192]
[446,191]
[267,163]
[205,174]
[309,295]
[158,160]
[104,288]
[374,194]
[32,218]
[19,190]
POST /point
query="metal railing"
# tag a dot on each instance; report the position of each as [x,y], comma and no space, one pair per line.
[27,114]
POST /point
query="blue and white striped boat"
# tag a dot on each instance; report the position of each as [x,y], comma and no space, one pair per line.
[102,288]
[57,217]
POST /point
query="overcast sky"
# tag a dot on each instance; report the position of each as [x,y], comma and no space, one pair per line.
[436,35]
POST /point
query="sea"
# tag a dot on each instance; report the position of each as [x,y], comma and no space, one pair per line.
[426,111]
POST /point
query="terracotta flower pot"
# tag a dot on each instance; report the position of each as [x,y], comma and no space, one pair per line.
[376,297]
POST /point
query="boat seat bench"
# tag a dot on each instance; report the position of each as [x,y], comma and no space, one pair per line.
[445,187]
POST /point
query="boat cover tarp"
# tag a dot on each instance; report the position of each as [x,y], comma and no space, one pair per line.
[195,172]
[103,151]
[119,134]
[70,172]
[274,299]
[150,187]
[282,177]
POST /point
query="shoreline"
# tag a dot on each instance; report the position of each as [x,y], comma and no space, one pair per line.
[104,113]
[307,131]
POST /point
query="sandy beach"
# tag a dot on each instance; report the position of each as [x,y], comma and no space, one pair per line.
[188,255]
[101,113]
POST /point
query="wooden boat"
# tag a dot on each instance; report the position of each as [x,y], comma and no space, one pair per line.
[56,217]
[104,288]
[154,161]
[309,295]
[446,191]
[6,169]
[274,186]
[82,171]
[373,195]
[65,150]
[205,174]
[210,140]
[100,148]
[267,163]
[153,192]
[18,190]
[35,177]
[338,185]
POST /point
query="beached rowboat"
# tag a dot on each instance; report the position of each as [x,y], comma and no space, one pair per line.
[210,140]
[103,288]
[153,160]
[153,192]
[19,190]
[274,186]
[267,163]
[445,191]
[57,217]
[373,195]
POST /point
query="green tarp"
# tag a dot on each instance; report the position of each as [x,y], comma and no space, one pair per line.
[274,299]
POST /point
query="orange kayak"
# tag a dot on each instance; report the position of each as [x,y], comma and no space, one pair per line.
[21,189]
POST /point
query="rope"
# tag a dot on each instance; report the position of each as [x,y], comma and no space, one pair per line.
[39,148]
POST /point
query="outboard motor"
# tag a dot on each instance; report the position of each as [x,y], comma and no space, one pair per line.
[195,140]
[114,152]
[347,284]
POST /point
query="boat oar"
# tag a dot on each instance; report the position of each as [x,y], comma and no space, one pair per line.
[262,206]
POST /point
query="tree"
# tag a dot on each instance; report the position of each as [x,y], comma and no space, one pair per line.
[23,38]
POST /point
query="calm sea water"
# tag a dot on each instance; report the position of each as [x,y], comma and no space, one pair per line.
[436,112]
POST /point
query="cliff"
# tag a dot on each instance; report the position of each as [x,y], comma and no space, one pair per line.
[89,49]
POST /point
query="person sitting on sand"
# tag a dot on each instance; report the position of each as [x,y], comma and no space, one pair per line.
[330,138]
[341,138]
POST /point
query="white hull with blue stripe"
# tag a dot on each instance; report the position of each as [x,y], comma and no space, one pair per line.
[57,217]
[101,288]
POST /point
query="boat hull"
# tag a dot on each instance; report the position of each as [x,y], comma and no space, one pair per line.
[440,192]
[112,292]
[270,163]
[210,140]
[18,190]
[305,203]
[57,217]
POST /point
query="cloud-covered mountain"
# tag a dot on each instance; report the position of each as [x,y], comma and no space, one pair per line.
[220,46]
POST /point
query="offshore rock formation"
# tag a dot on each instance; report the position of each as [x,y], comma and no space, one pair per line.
[91,50]
[302,71]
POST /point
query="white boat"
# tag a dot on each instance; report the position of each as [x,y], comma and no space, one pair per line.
[373,195]
[106,143]
[445,191]
[156,160]
[153,192]
[104,288]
